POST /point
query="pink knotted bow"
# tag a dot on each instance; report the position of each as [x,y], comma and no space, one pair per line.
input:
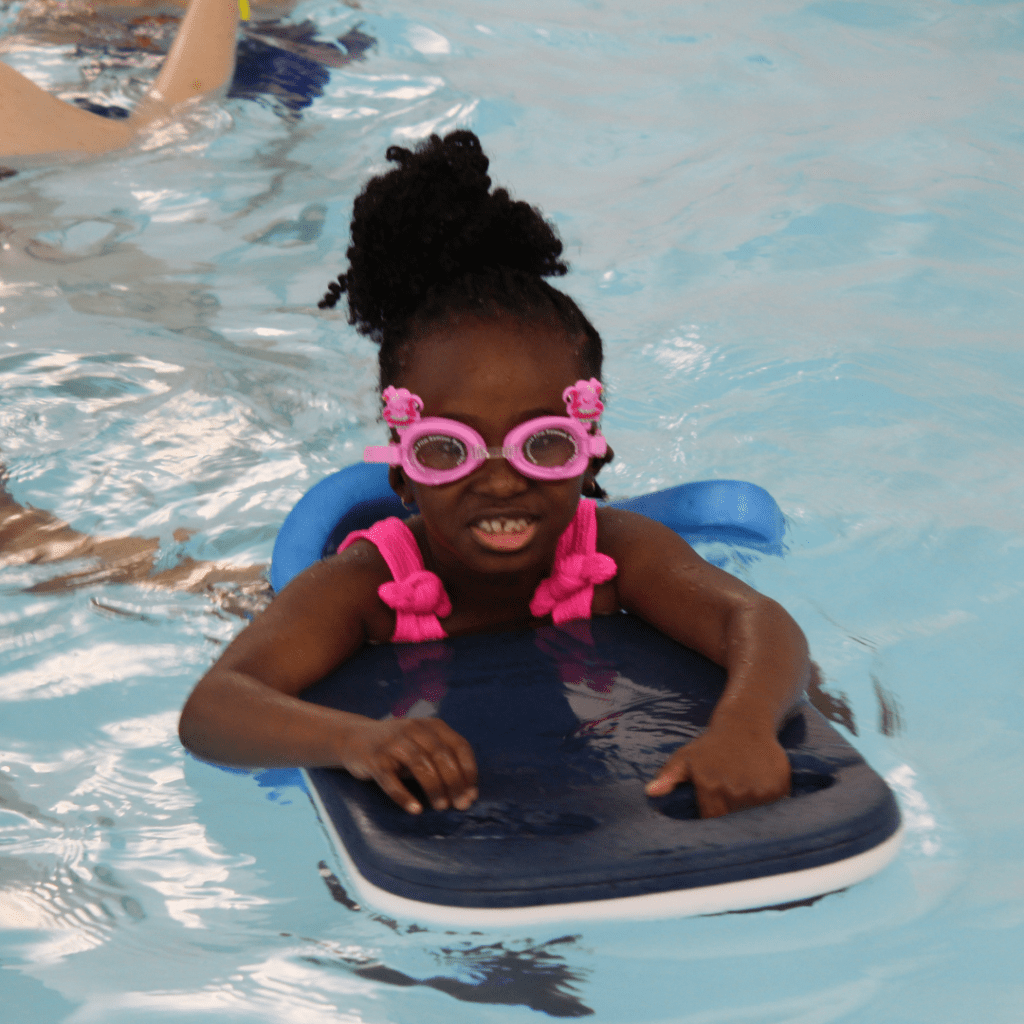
[569,592]
[419,601]
[420,593]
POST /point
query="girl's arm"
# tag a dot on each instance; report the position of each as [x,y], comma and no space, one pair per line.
[246,711]
[200,62]
[737,762]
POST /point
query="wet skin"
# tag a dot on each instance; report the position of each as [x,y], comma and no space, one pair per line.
[493,375]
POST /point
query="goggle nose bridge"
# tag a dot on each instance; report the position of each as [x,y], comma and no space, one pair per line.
[492,452]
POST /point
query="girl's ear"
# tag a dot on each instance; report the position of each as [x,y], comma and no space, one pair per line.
[591,488]
[400,485]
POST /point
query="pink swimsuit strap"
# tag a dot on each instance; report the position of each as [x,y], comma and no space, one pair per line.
[416,595]
[419,599]
[568,592]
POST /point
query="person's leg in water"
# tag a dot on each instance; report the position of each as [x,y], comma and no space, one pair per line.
[200,63]
[282,60]
[32,535]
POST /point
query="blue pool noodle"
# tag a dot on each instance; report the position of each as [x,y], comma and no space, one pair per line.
[729,511]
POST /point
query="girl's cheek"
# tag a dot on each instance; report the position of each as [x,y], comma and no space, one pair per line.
[435,525]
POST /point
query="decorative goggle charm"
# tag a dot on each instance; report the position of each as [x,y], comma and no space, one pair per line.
[436,450]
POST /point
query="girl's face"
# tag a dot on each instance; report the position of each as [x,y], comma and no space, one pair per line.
[493,375]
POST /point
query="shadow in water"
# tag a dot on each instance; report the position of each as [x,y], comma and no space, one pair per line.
[506,974]
[835,707]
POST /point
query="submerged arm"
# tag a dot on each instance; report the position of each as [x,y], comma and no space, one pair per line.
[200,62]
[737,762]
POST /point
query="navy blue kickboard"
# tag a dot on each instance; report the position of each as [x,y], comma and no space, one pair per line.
[567,724]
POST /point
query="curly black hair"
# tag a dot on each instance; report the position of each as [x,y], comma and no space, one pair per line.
[430,240]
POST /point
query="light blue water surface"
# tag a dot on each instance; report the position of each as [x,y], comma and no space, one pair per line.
[798,227]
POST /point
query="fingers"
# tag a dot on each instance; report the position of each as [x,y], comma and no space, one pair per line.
[464,755]
[723,794]
[712,803]
[436,756]
[388,781]
[716,799]
[442,763]
[723,784]
[674,772]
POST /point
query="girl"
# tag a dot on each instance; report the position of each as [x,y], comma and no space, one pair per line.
[491,381]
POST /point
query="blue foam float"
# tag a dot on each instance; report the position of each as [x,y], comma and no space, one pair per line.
[354,498]
[568,723]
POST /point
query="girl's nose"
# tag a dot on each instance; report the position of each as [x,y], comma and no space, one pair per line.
[498,479]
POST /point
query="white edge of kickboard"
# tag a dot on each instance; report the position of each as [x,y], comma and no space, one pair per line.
[748,894]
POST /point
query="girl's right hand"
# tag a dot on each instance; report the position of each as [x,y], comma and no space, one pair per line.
[436,756]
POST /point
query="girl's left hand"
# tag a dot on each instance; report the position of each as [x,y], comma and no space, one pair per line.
[728,771]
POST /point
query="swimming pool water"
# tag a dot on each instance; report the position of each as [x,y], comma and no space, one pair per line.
[798,227]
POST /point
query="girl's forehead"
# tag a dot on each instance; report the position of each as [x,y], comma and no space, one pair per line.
[485,362]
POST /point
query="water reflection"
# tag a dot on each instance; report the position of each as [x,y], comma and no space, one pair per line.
[50,888]
[519,973]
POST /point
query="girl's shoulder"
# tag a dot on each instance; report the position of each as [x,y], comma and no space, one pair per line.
[320,619]
[619,531]
[645,551]
[340,592]
[361,558]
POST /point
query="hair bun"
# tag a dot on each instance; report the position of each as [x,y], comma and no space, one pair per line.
[431,221]
[430,240]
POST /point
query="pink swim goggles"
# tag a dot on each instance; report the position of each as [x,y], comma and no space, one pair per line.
[437,451]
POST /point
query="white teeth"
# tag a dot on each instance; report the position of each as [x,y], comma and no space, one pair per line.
[503,525]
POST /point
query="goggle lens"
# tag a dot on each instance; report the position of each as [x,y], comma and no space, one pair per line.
[439,452]
[550,448]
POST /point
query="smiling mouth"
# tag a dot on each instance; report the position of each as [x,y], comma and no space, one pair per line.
[501,533]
